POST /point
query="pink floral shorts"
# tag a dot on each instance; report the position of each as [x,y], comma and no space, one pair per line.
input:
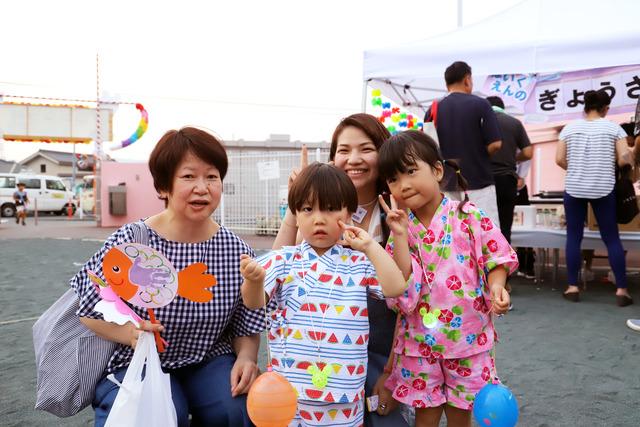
[429,383]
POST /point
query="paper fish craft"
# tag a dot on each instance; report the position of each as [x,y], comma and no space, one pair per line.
[111,306]
[143,277]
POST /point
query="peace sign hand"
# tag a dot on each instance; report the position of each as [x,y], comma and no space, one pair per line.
[355,237]
[397,219]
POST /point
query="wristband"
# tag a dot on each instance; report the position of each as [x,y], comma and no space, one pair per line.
[386,370]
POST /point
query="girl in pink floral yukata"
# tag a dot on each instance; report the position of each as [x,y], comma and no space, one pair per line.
[457,264]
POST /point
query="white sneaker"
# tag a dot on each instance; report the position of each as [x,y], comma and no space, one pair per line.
[634,324]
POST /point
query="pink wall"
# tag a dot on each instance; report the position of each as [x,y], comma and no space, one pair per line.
[142,200]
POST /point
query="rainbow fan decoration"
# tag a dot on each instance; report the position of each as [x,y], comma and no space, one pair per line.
[142,128]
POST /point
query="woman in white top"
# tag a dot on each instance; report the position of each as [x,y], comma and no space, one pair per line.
[589,149]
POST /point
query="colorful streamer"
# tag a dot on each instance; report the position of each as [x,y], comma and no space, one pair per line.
[142,128]
[392,117]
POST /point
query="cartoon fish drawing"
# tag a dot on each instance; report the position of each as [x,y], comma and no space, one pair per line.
[150,281]
[142,276]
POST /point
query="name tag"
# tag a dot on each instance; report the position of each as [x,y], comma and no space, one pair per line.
[359,215]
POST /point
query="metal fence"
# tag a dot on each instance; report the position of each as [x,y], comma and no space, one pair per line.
[254,198]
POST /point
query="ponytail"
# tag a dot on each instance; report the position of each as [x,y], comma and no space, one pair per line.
[461,181]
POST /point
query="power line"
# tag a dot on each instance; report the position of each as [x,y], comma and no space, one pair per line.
[254,104]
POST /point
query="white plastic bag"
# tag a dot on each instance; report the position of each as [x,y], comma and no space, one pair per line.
[143,402]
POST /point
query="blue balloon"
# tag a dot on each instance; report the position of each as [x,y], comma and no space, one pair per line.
[495,406]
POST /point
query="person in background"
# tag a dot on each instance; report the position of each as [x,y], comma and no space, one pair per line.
[516,147]
[588,149]
[468,132]
[635,323]
[21,200]
[526,256]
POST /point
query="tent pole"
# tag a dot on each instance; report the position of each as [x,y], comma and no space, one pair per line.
[363,107]
[460,13]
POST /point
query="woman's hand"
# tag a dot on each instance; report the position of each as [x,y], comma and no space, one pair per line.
[386,402]
[355,237]
[243,374]
[145,326]
[397,219]
[304,162]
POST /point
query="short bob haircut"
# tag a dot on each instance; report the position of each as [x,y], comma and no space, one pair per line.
[329,186]
[372,127]
[173,147]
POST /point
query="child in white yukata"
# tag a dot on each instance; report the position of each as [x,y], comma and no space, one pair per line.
[318,290]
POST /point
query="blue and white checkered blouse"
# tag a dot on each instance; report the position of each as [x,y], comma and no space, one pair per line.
[195,331]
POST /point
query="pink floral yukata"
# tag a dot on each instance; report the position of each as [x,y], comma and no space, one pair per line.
[450,358]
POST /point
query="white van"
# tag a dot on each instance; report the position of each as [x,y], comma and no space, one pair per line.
[50,192]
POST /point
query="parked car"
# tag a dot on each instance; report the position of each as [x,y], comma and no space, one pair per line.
[49,191]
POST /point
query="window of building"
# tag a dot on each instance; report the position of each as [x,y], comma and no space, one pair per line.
[43,168]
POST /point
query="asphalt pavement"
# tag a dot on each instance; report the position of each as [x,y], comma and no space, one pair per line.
[568,364]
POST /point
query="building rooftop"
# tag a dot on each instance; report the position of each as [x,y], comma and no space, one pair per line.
[8,166]
[60,157]
[280,141]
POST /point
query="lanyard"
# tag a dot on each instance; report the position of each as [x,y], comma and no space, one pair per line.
[319,378]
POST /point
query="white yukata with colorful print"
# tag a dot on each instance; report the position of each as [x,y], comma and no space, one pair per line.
[318,311]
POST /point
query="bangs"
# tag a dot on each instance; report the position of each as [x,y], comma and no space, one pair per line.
[325,184]
[396,156]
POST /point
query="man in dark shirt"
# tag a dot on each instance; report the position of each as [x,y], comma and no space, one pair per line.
[468,133]
[515,148]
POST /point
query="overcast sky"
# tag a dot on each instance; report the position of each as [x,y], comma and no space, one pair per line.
[244,69]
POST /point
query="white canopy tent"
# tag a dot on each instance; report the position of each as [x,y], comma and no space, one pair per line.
[535,36]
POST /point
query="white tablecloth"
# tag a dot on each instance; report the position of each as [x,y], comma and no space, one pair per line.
[552,238]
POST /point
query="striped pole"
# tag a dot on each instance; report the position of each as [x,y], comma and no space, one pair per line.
[98,149]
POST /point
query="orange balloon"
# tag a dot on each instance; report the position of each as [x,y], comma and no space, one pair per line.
[272,401]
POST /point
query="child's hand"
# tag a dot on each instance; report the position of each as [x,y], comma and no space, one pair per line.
[397,219]
[500,299]
[251,271]
[355,237]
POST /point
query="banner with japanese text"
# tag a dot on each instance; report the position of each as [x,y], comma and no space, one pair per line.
[514,89]
[560,96]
